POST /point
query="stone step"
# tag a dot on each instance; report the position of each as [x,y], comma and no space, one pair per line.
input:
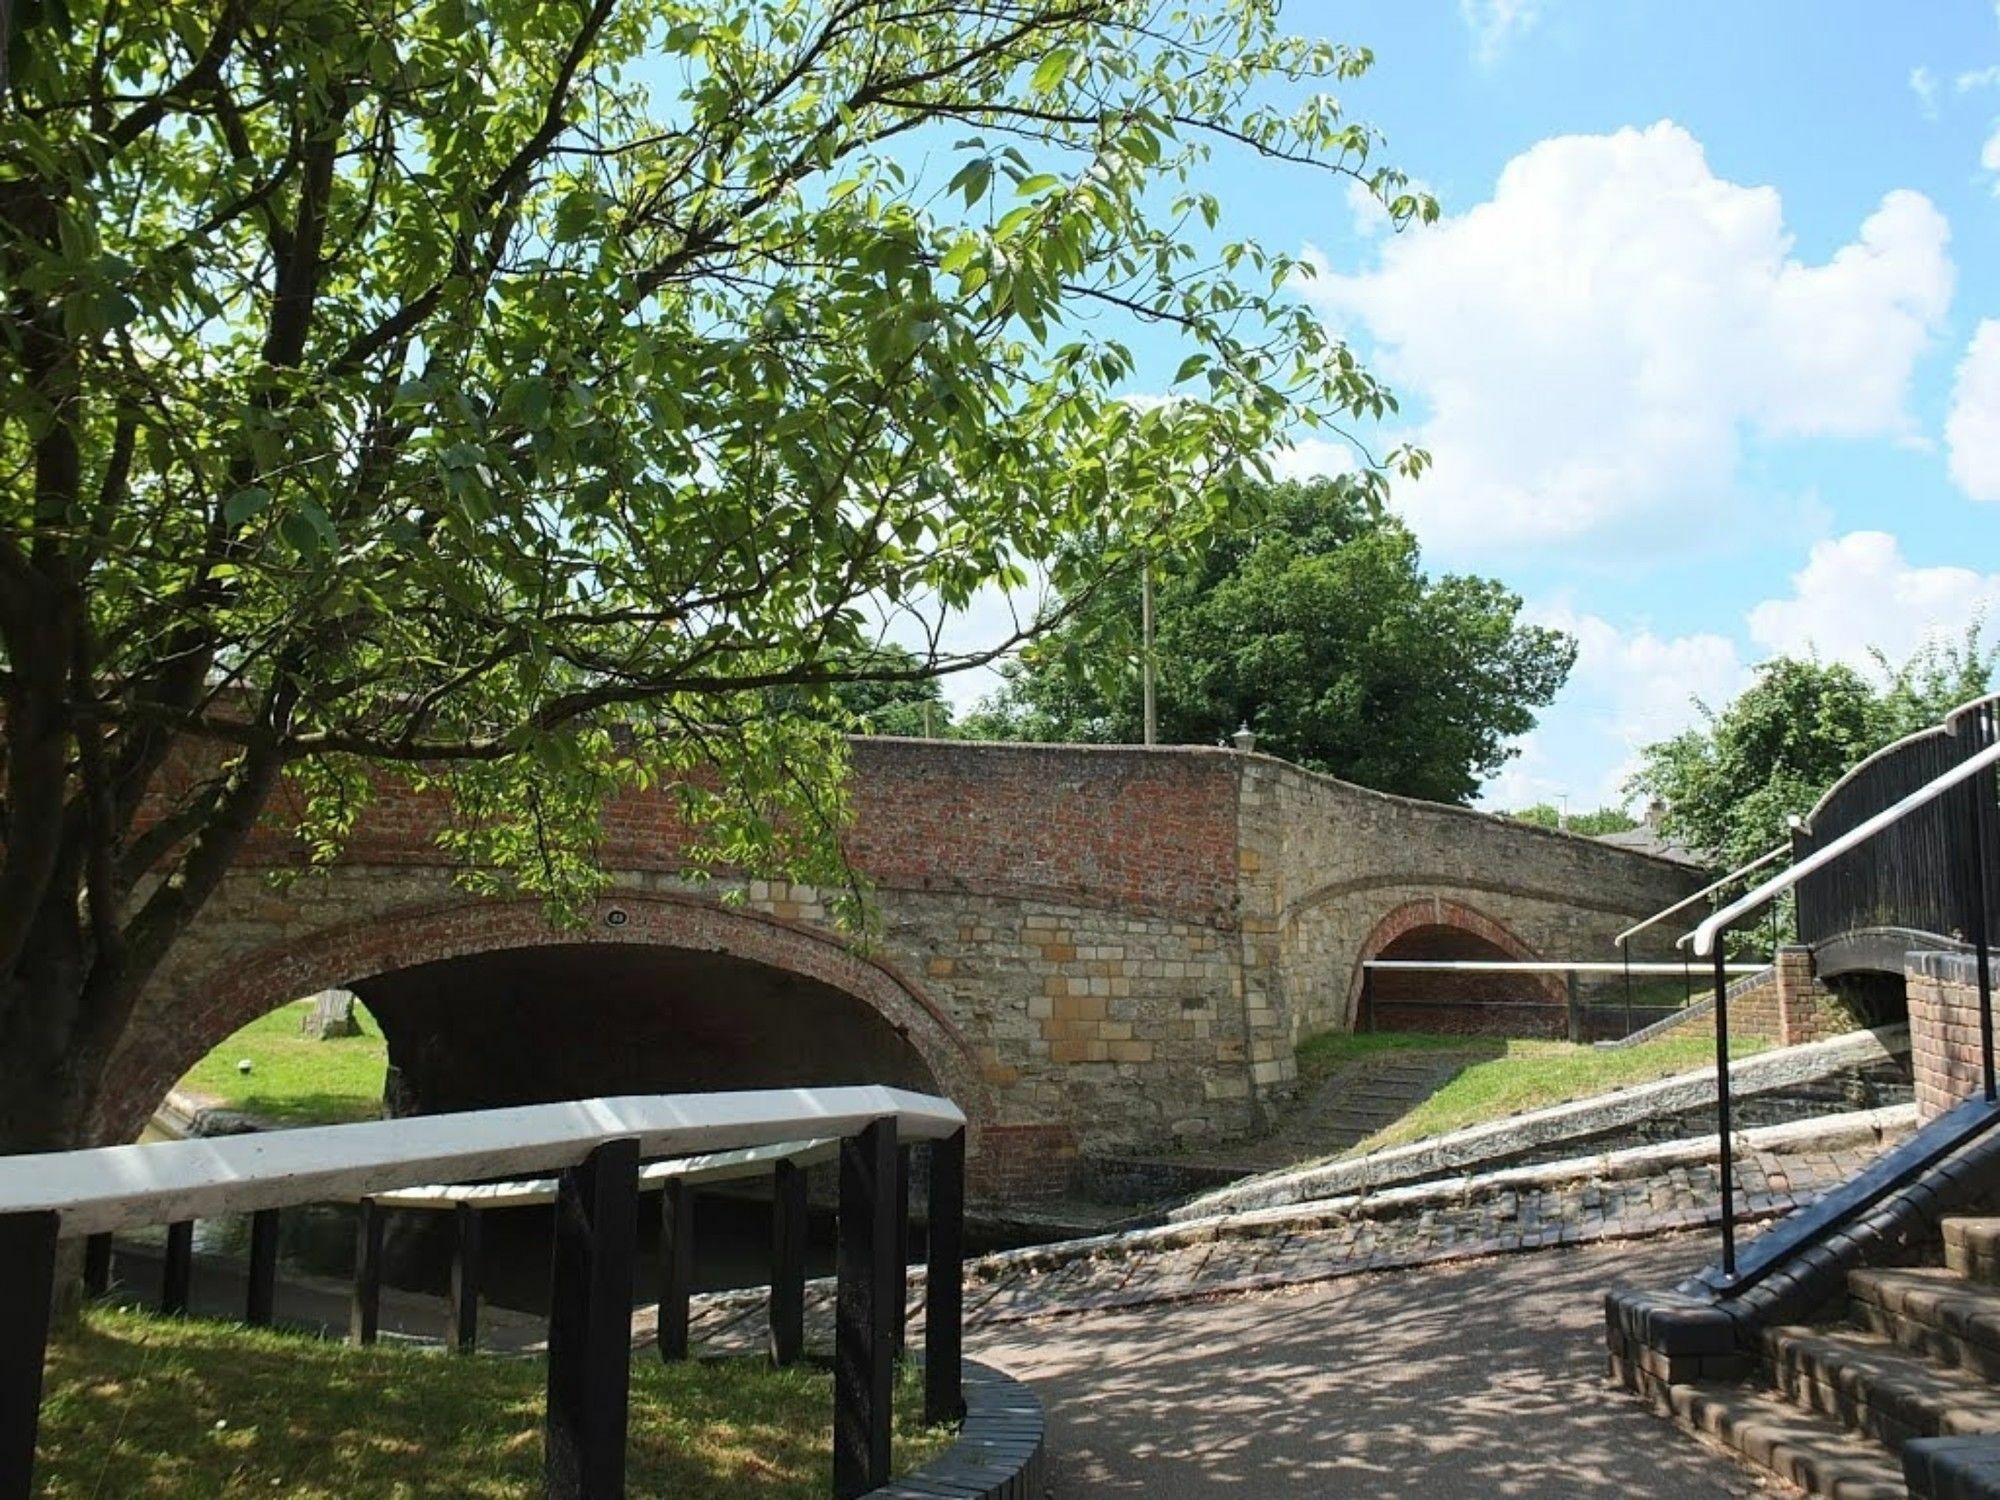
[1869,1384]
[1809,1451]
[1932,1311]
[1972,1247]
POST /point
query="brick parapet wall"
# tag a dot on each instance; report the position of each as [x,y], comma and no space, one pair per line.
[1943,990]
[1119,946]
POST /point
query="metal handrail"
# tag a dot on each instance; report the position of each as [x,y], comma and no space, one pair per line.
[1524,966]
[1708,890]
[1706,939]
[1705,934]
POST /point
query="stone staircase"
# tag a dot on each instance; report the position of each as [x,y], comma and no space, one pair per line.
[1899,1398]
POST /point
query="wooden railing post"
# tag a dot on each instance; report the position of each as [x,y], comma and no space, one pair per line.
[260,1292]
[28,1251]
[590,1324]
[900,1310]
[97,1264]
[463,1335]
[864,1331]
[177,1269]
[676,1266]
[364,1313]
[788,1263]
[944,1285]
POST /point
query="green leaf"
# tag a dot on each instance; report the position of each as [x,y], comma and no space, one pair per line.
[1052,70]
[245,504]
[973,178]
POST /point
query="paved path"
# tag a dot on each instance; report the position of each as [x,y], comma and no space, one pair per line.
[1477,1380]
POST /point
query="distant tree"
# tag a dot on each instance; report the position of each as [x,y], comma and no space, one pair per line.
[904,700]
[1596,822]
[1314,623]
[1729,783]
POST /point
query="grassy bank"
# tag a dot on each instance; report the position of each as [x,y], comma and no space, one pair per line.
[1508,1077]
[294,1080]
[138,1406]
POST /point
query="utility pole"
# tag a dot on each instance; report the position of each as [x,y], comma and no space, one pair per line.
[1152,732]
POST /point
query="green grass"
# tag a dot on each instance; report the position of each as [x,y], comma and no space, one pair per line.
[1513,1077]
[158,1409]
[294,1080]
[1332,1050]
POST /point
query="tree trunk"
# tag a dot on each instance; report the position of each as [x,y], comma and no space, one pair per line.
[47,1098]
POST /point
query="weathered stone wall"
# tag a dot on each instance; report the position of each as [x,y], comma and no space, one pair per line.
[1345,871]
[1943,991]
[1092,949]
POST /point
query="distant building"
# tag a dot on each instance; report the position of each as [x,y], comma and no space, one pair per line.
[1647,839]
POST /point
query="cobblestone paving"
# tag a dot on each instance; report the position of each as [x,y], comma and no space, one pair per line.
[1321,1242]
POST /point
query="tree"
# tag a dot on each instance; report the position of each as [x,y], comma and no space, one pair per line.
[1313,622]
[1729,784]
[901,701]
[1594,823]
[508,395]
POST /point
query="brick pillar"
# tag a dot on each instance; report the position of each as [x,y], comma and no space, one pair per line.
[1798,992]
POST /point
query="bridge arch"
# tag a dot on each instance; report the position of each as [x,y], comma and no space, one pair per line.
[1438,927]
[625,931]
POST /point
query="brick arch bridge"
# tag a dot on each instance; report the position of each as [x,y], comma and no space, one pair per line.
[1093,949]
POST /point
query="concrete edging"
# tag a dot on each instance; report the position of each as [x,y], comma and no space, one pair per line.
[1461,1151]
[1000,1453]
[1828,1132]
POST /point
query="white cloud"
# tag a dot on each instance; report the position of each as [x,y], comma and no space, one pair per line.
[1311,458]
[1925,87]
[1972,427]
[1630,688]
[1978,78]
[1496,23]
[1592,342]
[1858,594]
[1989,157]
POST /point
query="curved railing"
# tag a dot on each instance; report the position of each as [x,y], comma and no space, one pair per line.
[1916,872]
[594,1148]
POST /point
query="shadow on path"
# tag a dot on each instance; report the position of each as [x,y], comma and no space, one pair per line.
[1474,1380]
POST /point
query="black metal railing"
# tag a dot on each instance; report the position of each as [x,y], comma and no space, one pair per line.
[1917,872]
[595,1148]
[1923,808]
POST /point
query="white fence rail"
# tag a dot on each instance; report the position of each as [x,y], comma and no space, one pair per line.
[594,1148]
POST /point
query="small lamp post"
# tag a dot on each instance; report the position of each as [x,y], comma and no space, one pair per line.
[1245,738]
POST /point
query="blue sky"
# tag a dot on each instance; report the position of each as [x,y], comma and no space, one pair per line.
[1698,346]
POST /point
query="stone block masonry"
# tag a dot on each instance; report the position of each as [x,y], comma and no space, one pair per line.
[1095,950]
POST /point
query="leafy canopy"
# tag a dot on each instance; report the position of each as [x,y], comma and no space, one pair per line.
[515,391]
[1729,784]
[1593,823]
[1312,621]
